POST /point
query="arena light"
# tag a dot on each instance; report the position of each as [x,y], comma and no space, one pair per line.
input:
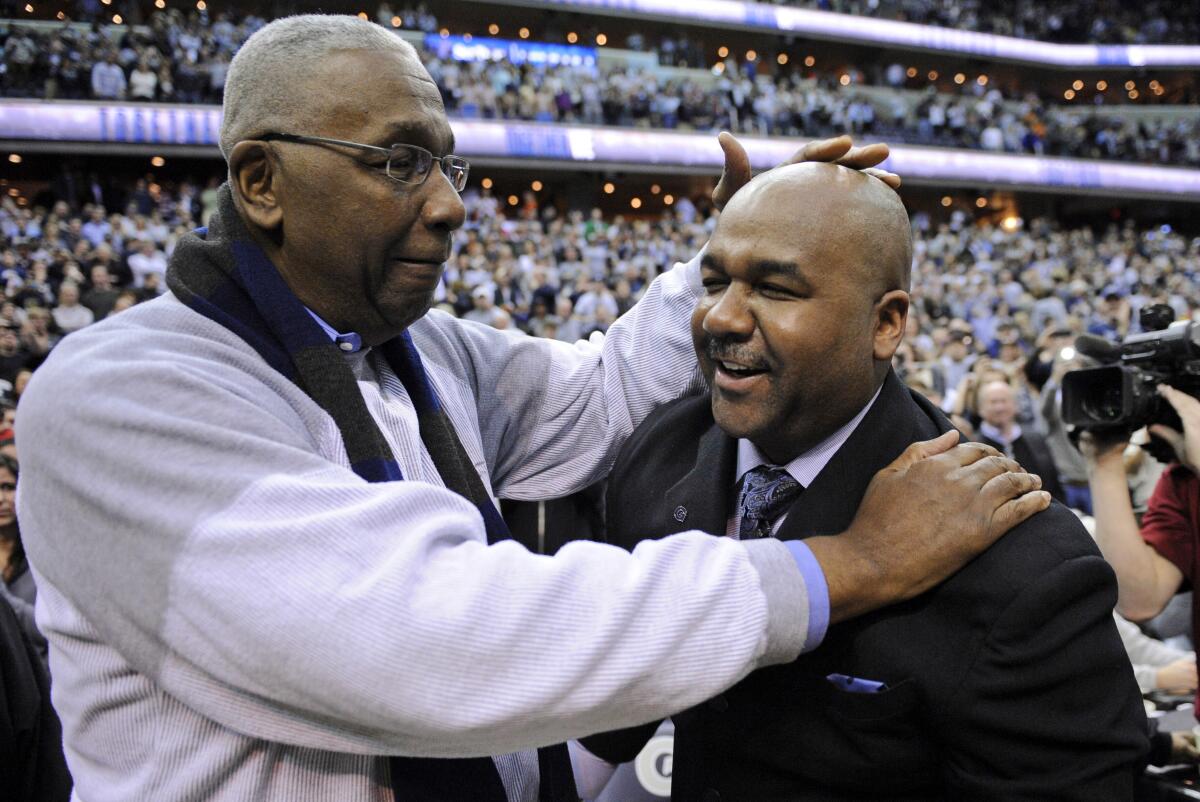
[635,203]
[959,78]
[722,51]
[28,8]
[572,37]
[655,189]
[1101,86]
[1069,94]
[981,202]
[200,5]
[513,200]
[118,19]
[486,183]
[524,34]
[782,59]
[809,61]
[844,80]
[668,199]
[536,186]
[601,39]
[933,75]
[397,22]
[14,158]
[982,80]
[813,23]
[1077,86]
[911,72]
[493,29]
[947,200]
[157,161]
[751,55]
[609,188]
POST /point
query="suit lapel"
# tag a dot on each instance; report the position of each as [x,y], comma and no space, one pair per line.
[703,498]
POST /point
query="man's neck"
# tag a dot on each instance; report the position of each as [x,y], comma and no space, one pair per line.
[808,463]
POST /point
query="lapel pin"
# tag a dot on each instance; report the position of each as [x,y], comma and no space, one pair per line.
[681,514]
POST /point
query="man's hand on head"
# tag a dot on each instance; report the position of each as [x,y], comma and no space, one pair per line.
[839,150]
[923,518]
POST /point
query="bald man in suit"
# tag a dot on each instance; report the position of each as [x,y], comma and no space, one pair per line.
[1008,681]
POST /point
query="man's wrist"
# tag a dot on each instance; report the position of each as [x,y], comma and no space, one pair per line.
[857,583]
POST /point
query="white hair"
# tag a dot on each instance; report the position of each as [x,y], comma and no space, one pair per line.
[270,69]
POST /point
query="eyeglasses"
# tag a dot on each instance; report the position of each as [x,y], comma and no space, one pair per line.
[408,164]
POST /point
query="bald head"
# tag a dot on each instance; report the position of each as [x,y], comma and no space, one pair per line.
[270,80]
[832,210]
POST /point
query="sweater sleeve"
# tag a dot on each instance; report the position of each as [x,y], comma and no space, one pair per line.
[552,414]
[179,500]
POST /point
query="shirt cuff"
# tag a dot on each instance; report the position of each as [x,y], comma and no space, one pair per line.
[818,592]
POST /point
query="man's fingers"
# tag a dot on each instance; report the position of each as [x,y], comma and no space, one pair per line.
[891,179]
[1010,485]
[966,453]
[1186,406]
[865,156]
[823,150]
[1019,509]
[985,469]
[925,448]
[736,171]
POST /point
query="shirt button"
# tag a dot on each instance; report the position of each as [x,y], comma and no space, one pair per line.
[346,346]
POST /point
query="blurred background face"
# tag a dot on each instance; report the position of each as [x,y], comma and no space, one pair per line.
[8,494]
[997,404]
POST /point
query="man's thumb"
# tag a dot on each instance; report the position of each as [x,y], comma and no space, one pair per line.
[926,448]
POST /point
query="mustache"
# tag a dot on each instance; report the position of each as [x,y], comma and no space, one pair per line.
[726,350]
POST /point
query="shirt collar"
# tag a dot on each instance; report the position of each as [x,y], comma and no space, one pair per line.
[350,343]
[806,467]
[993,432]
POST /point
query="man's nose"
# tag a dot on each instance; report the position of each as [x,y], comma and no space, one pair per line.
[443,207]
[730,315]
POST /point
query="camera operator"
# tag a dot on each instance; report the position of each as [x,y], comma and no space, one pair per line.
[1152,561]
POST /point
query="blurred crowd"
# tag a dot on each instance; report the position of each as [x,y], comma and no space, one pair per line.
[799,104]
[183,58]
[1069,21]
[990,300]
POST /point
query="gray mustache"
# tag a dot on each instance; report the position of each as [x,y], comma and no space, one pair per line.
[725,351]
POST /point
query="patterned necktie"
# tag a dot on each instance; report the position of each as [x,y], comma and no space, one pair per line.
[766,494]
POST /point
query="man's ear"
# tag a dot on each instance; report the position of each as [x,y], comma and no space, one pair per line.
[891,313]
[253,179]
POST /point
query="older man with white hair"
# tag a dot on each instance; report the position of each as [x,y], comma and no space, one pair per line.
[262,508]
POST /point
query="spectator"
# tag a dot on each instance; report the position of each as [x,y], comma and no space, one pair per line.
[999,429]
[102,294]
[143,81]
[70,315]
[108,79]
[147,261]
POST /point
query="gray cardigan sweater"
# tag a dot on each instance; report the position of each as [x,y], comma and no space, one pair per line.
[234,614]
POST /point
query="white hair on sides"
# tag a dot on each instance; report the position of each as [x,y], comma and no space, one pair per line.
[276,61]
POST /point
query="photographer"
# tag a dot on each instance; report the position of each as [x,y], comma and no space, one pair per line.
[1153,563]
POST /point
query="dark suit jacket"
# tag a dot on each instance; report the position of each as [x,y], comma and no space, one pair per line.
[1031,451]
[1008,681]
